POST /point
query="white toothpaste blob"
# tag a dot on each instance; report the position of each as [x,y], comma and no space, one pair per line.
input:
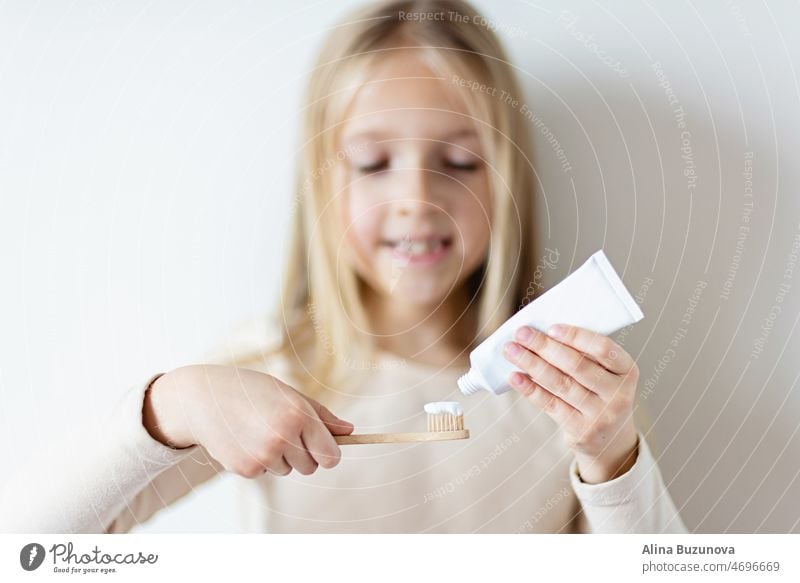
[444,408]
[592,297]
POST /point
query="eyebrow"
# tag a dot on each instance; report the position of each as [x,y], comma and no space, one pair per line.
[379,136]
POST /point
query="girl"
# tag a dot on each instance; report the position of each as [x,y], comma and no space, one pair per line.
[412,242]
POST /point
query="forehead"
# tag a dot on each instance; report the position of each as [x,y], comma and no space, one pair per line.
[405,98]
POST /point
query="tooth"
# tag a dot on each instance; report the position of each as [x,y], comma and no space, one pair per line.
[419,247]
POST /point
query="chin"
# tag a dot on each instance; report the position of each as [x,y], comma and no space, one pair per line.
[417,293]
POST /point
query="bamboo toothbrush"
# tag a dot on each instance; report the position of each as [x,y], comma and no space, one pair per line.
[445,421]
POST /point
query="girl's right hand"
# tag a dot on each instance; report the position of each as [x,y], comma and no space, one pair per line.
[248,421]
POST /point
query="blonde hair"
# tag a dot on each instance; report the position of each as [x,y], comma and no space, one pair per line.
[321,307]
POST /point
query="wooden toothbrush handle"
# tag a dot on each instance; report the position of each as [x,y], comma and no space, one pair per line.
[401,437]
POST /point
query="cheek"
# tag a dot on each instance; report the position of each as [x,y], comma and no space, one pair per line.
[473,220]
[363,217]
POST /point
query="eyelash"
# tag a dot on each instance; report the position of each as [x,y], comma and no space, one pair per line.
[463,167]
[372,167]
[382,165]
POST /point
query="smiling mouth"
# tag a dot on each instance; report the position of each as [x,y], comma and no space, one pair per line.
[419,247]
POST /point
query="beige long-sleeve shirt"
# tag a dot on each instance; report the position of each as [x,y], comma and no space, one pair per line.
[514,474]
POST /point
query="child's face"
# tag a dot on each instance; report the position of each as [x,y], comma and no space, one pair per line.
[416,195]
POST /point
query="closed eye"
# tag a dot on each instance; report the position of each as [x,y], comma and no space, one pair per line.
[375,167]
[466,167]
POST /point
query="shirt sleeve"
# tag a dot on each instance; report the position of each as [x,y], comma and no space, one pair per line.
[103,479]
[635,502]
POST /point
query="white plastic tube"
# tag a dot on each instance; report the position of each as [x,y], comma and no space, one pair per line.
[592,297]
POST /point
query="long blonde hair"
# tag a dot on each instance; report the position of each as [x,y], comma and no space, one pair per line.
[321,310]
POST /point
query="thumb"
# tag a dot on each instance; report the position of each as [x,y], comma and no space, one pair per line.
[335,425]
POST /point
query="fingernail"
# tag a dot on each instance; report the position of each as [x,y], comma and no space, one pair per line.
[524,334]
[516,379]
[556,331]
[512,349]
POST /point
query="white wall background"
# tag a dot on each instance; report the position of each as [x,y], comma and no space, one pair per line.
[145,163]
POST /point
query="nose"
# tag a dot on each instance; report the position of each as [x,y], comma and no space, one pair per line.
[416,196]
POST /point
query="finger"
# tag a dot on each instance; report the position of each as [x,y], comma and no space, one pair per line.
[320,444]
[554,380]
[559,410]
[573,362]
[601,348]
[318,434]
[335,425]
[278,466]
[297,456]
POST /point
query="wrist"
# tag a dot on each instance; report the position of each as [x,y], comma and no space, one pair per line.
[162,414]
[608,465]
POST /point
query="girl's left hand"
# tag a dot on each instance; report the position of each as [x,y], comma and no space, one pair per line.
[586,382]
